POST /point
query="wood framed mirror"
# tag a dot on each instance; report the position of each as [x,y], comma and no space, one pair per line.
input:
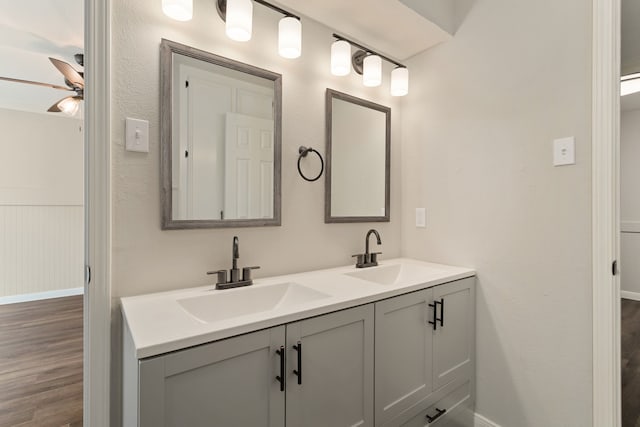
[358,144]
[220,134]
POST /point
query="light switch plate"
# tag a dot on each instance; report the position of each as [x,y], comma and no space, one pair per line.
[564,151]
[137,135]
[421,217]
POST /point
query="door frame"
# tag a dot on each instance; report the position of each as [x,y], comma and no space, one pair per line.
[605,212]
[97,175]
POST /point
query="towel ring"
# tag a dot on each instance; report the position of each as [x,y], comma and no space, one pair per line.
[303,151]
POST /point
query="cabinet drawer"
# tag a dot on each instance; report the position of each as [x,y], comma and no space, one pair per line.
[455,409]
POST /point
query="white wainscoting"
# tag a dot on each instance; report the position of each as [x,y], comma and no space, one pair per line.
[41,249]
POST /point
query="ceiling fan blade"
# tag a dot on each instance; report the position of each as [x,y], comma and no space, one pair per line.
[68,72]
[9,79]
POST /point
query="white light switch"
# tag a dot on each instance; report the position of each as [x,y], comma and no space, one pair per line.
[421,217]
[564,151]
[137,132]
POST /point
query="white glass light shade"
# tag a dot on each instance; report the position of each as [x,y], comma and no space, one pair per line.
[180,10]
[69,106]
[340,58]
[372,71]
[290,37]
[239,19]
[630,84]
[400,81]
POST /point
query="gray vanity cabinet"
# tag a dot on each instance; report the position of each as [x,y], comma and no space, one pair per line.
[234,382]
[336,364]
[404,361]
[417,362]
[226,383]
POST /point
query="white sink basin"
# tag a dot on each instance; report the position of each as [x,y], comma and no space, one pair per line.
[224,304]
[395,274]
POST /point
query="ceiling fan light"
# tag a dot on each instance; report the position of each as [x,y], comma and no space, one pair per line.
[630,84]
[340,58]
[372,71]
[400,81]
[69,106]
[289,37]
[180,10]
[239,20]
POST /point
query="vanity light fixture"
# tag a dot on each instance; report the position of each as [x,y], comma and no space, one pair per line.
[238,15]
[372,70]
[400,81]
[239,22]
[630,84]
[340,58]
[180,10]
[368,63]
[290,37]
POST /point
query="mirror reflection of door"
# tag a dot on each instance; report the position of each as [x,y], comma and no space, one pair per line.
[249,167]
[223,163]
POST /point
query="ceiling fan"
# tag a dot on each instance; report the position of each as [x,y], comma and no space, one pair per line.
[73,79]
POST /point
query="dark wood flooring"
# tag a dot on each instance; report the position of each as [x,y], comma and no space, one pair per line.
[630,363]
[41,363]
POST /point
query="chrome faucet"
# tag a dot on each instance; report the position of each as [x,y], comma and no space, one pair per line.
[234,274]
[368,259]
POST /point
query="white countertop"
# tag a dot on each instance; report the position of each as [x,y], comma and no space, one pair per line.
[159,323]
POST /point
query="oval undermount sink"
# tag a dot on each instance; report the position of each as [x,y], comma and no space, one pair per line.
[221,305]
[395,274]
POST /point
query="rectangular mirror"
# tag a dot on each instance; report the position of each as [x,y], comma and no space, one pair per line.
[220,141]
[358,159]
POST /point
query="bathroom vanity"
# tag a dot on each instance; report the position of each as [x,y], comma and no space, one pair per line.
[391,345]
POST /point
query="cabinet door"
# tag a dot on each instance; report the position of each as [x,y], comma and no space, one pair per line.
[230,383]
[336,364]
[403,353]
[453,340]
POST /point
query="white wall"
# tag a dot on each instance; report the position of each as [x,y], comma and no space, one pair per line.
[630,201]
[477,131]
[41,198]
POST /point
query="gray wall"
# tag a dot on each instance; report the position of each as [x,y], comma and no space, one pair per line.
[477,131]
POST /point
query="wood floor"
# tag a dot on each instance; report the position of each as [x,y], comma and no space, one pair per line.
[630,363]
[41,363]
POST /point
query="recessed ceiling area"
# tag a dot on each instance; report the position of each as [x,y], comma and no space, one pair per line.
[30,32]
[387,26]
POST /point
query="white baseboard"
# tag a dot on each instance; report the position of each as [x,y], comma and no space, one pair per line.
[480,421]
[630,295]
[13,299]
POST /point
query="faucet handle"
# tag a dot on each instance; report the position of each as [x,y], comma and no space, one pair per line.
[222,275]
[374,257]
[246,272]
[359,259]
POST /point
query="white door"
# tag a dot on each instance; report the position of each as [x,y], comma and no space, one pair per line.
[248,189]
